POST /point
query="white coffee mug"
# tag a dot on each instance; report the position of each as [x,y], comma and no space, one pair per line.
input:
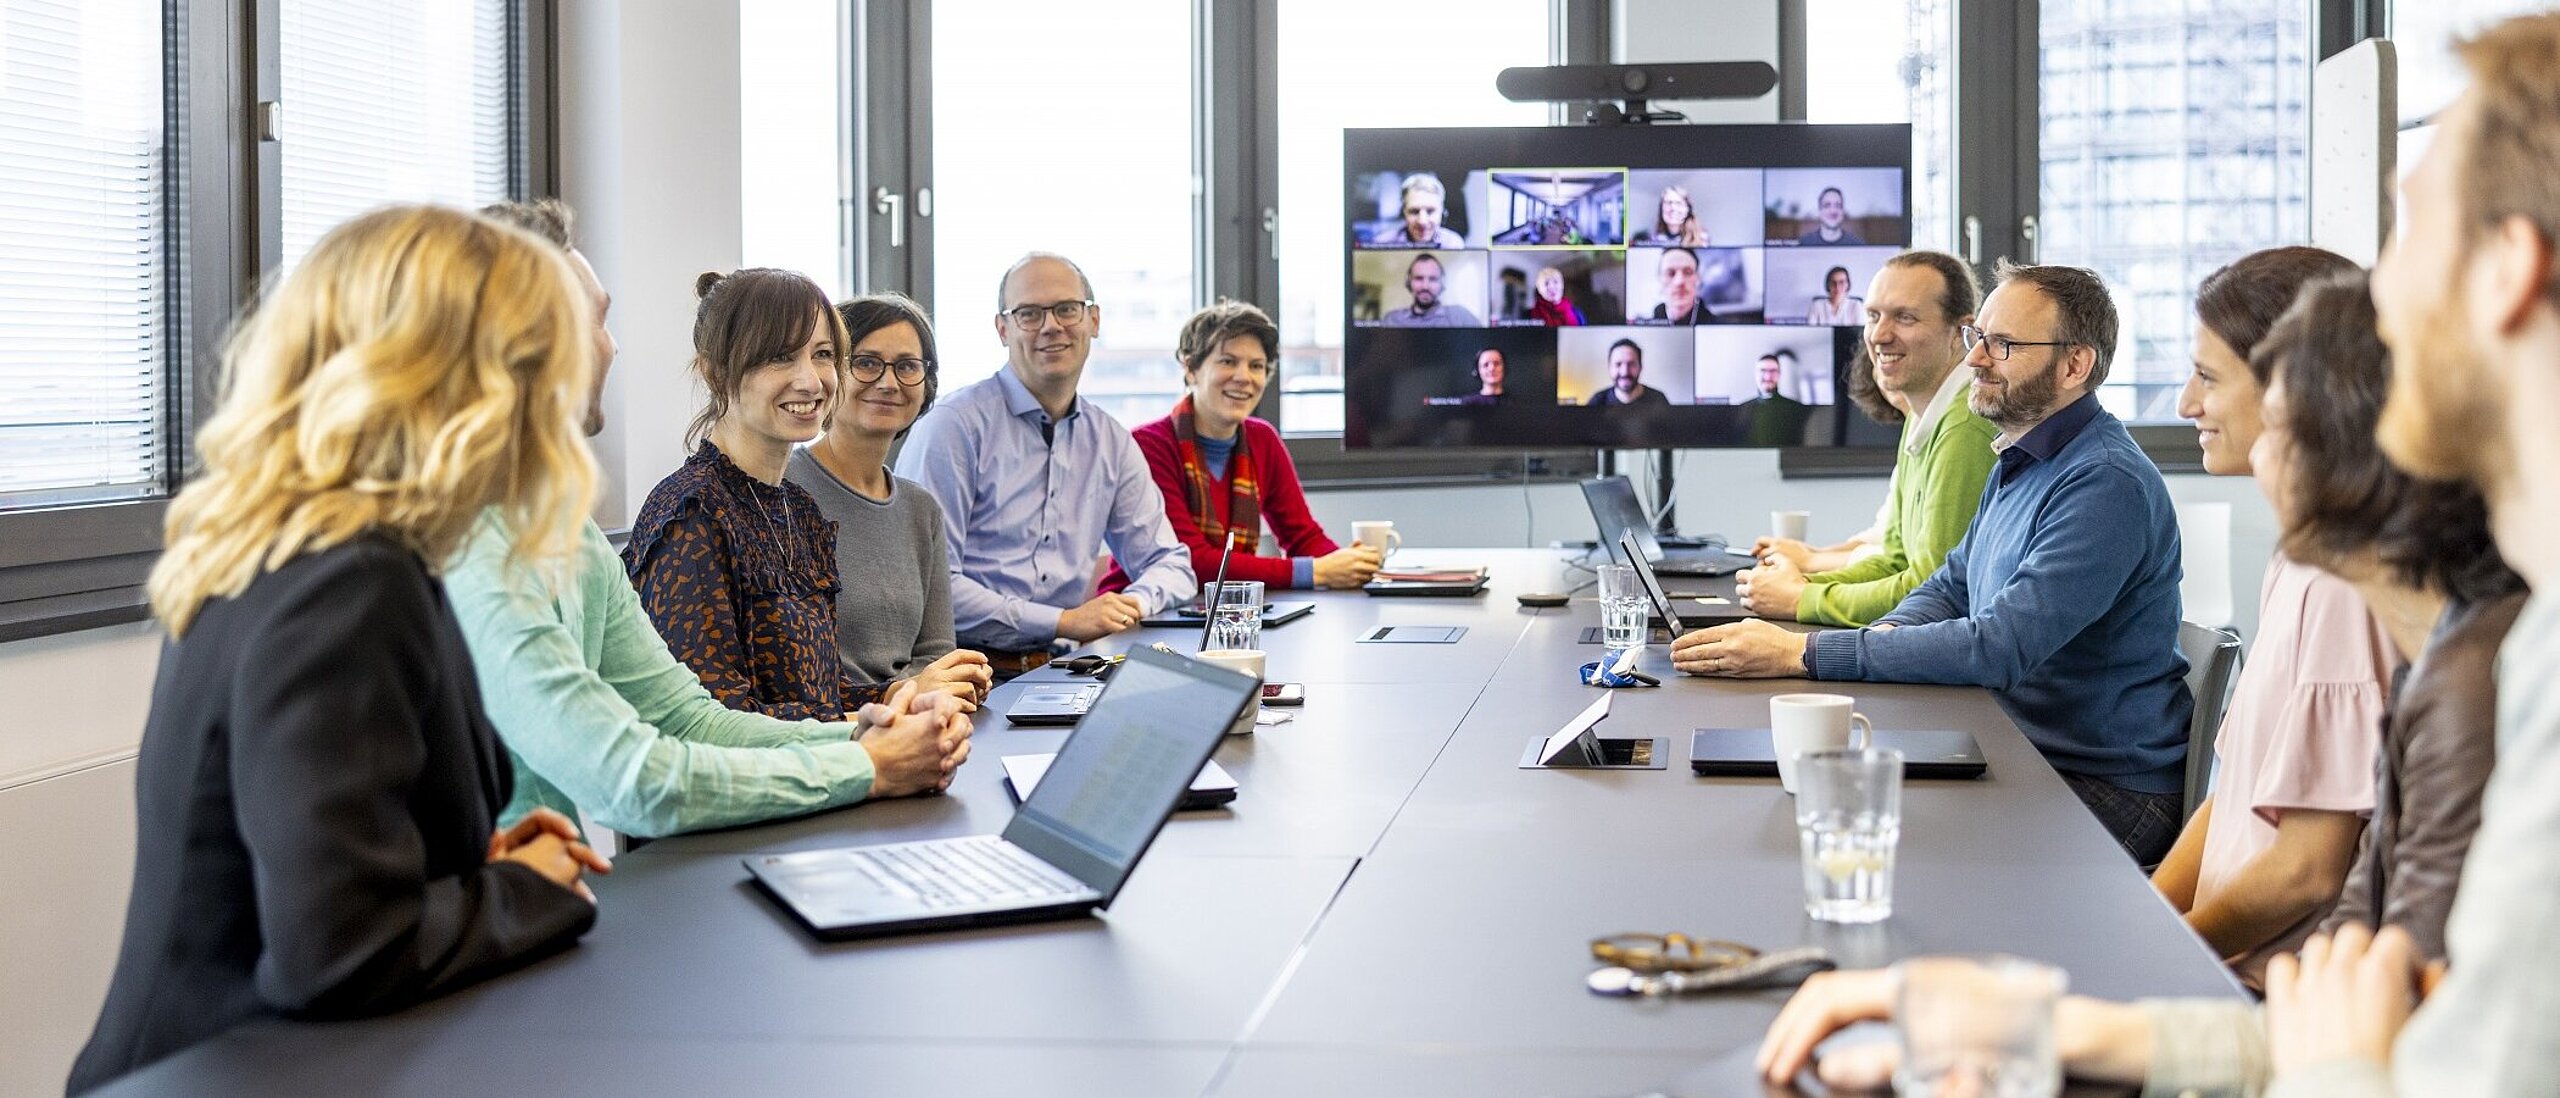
[1813,722]
[1789,524]
[1378,534]
[1250,662]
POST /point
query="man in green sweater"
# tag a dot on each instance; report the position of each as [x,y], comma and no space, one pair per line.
[1914,307]
[597,716]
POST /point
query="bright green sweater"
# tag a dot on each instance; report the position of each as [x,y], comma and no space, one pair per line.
[596,715]
[1935,490]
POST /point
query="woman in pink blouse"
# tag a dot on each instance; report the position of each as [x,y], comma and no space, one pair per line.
[2265,855]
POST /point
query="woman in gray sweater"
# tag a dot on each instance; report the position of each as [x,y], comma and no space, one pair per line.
[893,618]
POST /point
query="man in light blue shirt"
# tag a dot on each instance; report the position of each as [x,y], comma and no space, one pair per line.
[1035,482]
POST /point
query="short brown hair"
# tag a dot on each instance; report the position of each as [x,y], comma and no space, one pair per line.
[1963,292]
[2515,135]
[889,308]
[2240,301]
[745,319]
[1211,328]
[546,217]
[2347,499]
[2085,313]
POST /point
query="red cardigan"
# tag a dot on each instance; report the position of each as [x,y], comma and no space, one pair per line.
[1284,507]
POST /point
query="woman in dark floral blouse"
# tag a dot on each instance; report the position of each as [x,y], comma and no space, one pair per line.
[734,564]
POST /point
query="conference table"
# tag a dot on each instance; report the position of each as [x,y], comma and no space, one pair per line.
[1391,906]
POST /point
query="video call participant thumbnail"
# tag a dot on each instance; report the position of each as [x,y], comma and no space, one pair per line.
[1626,380]
[1424,204]
[1776,418]
[1426,279]
[1490,367]
[1676,272]
[1831,216]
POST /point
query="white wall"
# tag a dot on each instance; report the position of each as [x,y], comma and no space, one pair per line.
[69,725]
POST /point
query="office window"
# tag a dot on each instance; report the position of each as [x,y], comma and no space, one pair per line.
[85,293]
[1892,61]
[790,135]
[392,101]
[1066,128]
[2430,76]
[2174,139]
[1344,63]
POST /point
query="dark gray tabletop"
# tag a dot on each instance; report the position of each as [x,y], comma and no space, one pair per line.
[1390,907]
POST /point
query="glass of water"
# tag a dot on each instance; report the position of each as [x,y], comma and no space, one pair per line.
[1623,610]
[1848,822]
[1977,1026]
[1235,614]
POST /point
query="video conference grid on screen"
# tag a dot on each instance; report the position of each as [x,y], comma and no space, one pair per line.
[1681,286]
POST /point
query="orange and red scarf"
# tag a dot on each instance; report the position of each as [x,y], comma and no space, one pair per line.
[1244,490]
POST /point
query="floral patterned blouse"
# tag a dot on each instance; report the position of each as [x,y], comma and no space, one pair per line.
[740,578]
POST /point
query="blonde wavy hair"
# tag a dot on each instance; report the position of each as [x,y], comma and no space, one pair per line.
[420,365]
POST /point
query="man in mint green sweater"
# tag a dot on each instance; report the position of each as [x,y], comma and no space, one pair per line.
[597,716]
[1914,307]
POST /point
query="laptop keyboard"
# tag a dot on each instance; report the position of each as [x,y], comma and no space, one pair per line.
[981,869]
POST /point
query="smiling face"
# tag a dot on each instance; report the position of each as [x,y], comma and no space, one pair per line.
[1675,209]
[1833,208]
[1626,369]
[2018,392]
[1228,384]
[881,408]
[1910,339]
[1679,276]
[2446,416]
[1551,284]
[1047,353]
[1423,210]
[1422,280]
[1489,367]
[2223,397]
[786,398]
[1836,284]
[1770,372]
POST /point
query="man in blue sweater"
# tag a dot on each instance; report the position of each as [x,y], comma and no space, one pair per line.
[2062,598]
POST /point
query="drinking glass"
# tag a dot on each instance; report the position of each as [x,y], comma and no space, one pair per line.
[1848,822]
[1977,1026]
[1622,608]
[1235,614]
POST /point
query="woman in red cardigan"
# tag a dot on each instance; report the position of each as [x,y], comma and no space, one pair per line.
[1221,469]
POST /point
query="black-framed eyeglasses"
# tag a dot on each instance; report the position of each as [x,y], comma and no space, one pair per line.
[867,369]
[1066,312]
[2001,346]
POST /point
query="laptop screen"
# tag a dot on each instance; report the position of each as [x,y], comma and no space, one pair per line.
[1652,584]
[1615,510]
[1127,763]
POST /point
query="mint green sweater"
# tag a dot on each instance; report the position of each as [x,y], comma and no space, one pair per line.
[595,714]
[1934,493]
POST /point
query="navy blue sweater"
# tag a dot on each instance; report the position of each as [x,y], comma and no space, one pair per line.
[2062,599]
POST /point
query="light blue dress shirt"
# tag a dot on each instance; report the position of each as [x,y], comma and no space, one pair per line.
[1028,517]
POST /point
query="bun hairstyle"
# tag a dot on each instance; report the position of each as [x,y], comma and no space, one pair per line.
[745,319]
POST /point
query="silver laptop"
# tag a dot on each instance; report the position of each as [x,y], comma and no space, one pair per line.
[1070,846]
[1615,511]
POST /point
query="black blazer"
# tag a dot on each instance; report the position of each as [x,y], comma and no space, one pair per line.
[316,792]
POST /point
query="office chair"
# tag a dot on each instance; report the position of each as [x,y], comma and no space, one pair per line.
[2212,656]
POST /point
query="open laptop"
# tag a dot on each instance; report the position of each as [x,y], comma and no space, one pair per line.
[1667,614]
[1070,846]
[1749,752]
[1615,511]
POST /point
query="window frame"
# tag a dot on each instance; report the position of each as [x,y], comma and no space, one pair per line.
[71,568]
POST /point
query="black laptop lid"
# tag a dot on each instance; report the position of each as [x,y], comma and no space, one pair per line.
[1615,511]
[1652,583]
[1119,775]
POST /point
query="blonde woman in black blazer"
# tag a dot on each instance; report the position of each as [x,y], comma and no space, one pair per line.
[317,782]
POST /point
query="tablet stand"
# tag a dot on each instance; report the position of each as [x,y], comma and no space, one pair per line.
[1593,751]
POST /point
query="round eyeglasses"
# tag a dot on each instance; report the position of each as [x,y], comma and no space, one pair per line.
[867,369]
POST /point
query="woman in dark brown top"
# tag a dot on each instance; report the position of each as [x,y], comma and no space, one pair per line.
[2421,558]
[733,563]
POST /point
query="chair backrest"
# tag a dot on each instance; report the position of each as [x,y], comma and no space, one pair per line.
[2204,550]
[2212,656]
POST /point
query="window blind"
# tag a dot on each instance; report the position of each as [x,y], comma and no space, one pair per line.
[84,277]
[391,101]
